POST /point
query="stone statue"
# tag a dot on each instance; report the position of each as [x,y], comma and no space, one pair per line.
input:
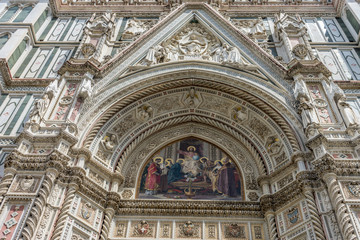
[231,55]
[257,27]
[52,89]
[348,113]
[86,89]
[172,52]
[134,27]
[217,53]
[155,55]
[307,112]
[40,106]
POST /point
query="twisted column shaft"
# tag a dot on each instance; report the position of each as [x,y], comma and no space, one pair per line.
[5,183]
[61,221]
[37,209]
[341,211]
[109,214]
[314,214]
[271,222]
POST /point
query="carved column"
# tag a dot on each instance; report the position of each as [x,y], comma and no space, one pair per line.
[314,214]
[266,202]
[109,214]
[61,221]
[6,181]
[341,211]
[39,205]
[271,222]
[112,205]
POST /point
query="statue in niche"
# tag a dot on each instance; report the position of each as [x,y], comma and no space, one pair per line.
[40,106]
[348,113]
[299,90]
[307,112]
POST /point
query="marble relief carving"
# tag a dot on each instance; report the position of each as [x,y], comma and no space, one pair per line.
[120,229]
[166,229]
[143,229]
[194,42]
[135,27]
[26,184]
[189,230]
[232,231]
[106,147]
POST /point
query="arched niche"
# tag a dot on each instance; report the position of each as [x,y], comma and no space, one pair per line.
[190,168]
[244,157]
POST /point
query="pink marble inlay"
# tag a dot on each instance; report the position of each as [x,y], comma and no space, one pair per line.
[11,222]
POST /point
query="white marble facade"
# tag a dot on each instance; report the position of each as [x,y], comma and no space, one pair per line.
[179,120]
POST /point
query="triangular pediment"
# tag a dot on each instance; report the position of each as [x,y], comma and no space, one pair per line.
[194,42]
[196,32]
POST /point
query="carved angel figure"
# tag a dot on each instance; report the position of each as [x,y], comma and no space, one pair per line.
[39,109]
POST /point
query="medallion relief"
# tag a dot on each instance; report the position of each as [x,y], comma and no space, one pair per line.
[188,230]
[26,184]
[143,229]
[86,212]
[232,231]
[351,190]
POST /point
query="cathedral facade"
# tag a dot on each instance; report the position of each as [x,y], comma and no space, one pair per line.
[180,119]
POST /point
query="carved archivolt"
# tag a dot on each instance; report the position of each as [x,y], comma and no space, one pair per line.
[125,99]
[175,106]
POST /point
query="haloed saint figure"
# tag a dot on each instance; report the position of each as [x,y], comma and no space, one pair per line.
[190,169]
